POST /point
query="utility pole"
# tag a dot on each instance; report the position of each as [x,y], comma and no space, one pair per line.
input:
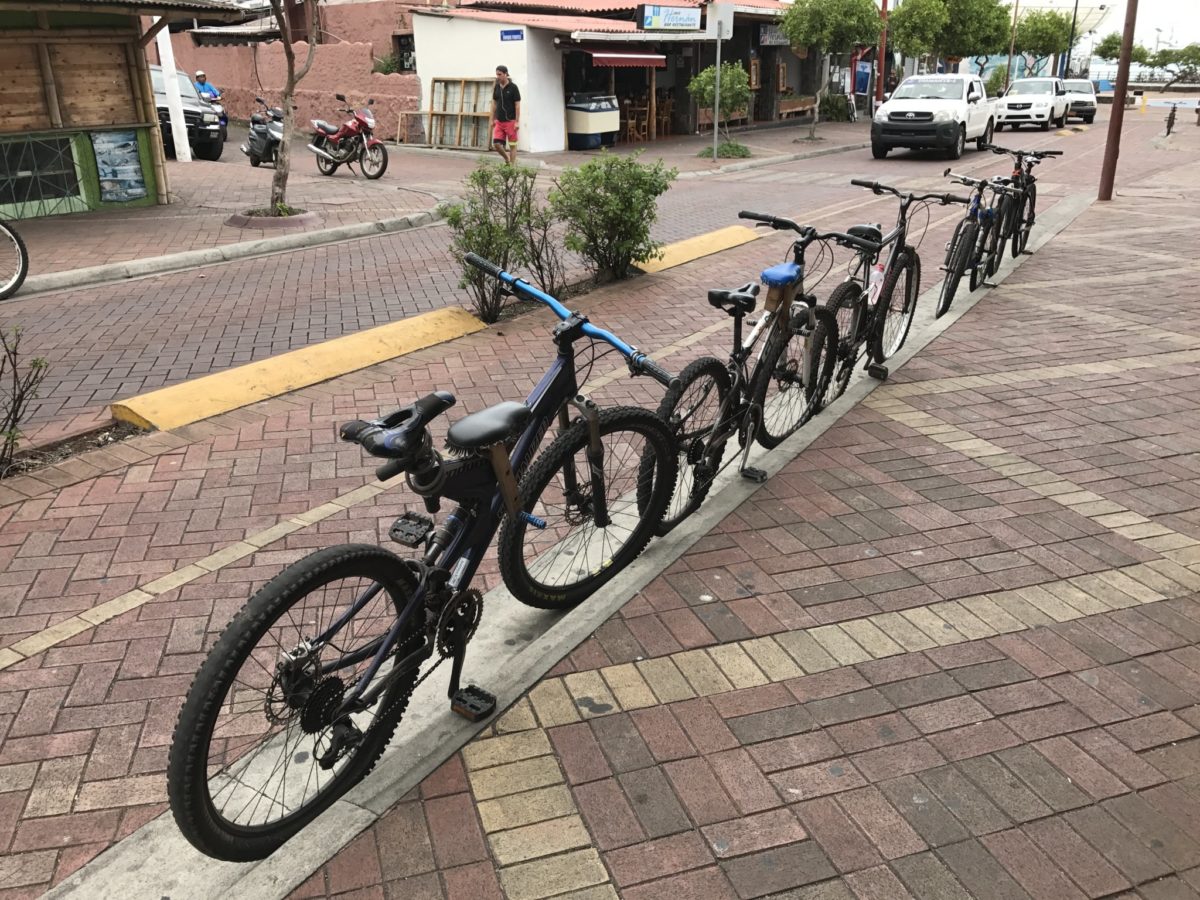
[717,93]
[882,52]
[1012,43]
[1071,43]
[166,56]
[1112,149]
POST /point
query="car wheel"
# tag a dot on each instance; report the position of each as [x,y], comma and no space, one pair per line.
[1088,120]
[879,151]
[1046,125]
[224,133]
[255,161]
[960,144]
[1062,120]
[999,127]
[986,137]
[210,152]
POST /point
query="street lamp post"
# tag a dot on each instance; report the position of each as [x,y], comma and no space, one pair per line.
[1012,43]
[1071,43]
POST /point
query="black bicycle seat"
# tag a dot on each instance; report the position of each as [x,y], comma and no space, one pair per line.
[872,233]
[488,426]
[736,302]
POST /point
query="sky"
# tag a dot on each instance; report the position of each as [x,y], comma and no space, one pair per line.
[1183,16]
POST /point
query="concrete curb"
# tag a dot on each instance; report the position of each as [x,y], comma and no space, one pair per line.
[188,259]
[775,160]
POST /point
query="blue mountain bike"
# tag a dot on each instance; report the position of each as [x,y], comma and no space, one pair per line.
[302,692]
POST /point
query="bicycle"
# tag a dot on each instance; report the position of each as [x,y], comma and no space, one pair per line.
[1025,183]
[300,695]
[14,260]
[716,400]
[1171,120]
[976,245]
[871,320]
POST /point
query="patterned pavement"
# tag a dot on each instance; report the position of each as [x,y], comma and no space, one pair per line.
[960,626]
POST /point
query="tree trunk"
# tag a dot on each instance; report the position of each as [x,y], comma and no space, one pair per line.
[283,158]
[816,115]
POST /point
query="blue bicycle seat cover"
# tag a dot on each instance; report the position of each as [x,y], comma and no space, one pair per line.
[781,275]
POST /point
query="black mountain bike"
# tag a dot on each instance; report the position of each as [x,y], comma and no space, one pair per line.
[875,321]
[302,692]
[1025,182]
[716,400]
[977,245]
[14,260]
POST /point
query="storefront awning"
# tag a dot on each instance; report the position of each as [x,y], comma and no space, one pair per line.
[625,59]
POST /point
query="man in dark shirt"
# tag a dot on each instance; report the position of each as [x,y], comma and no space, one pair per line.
[506,115]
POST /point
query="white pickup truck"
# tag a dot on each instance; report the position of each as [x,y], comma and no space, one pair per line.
[1034,101]
[934,111]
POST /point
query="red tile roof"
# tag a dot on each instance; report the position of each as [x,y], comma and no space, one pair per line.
[533,20]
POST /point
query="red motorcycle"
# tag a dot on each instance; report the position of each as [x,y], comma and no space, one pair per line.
[353,142]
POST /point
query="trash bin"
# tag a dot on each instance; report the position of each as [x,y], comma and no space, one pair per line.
[592,120]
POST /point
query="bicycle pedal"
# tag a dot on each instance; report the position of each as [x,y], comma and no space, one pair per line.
[758,476]
[473,703]
[878,372]
[411,529]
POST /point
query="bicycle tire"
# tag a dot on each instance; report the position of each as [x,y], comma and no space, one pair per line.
[845,304]
[188,761]
[14,281]
[907,264]
[781,420]
[1023,220]
[1030,216]
[979,261]
[662,470]
[996,237]
[957,259]
[698,459]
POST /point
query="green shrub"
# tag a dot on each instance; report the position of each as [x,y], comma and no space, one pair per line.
[490,222]
[735,90]
[995,82]
[835,108]
[727,150]
[388,65]
[608,206]
[21,381]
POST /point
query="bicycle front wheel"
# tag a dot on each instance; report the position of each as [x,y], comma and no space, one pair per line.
[958,257]
[790,379]
[257,752]
[1023,220]
[582,545]
[898,299]
[979,257]
[847,303]
[14,261]
[693,412]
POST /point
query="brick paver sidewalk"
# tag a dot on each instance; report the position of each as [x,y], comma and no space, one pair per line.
[953,650]
[1047,436]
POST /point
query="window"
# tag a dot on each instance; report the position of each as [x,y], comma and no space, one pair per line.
[38,176]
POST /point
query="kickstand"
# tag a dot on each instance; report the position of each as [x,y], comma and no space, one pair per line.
[473,703]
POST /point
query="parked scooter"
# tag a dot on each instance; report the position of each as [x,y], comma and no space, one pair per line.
[214,100]
[353,142]
[266,133]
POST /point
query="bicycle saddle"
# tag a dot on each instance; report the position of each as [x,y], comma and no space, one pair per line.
[782,275]
[872,233]
[736,302]
[486,427]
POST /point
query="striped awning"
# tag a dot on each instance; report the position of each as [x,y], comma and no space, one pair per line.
[625,59]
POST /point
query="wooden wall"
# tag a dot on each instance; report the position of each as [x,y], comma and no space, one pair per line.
[83,72]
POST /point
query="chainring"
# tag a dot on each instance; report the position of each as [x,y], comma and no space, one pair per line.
[458,620]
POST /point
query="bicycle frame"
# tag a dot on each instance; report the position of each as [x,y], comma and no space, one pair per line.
[457,549]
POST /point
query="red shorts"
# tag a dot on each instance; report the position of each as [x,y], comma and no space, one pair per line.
[504,131]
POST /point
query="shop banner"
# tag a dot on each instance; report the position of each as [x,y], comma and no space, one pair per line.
[120,166]
[669,18]
[862,78]
[771,36]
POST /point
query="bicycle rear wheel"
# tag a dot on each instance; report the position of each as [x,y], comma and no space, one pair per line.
[692,411]
[14,261]
[257,753]
[894,317]
[563,564]
[979,255]
[958,257]
[846,304]
[1023,220]
[791,377]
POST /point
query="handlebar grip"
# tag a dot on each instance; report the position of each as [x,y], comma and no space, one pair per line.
[352,431]
[390,469]
[483,265]
[955,198]
[870,185]
[1052,153]
[642,364]
[756,217]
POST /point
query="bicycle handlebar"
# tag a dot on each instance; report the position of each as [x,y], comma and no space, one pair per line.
[639,363]
[777,222]
[1034,154]
[878,188]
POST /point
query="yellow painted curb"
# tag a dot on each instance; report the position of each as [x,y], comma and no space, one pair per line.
[211,395]
[702,245]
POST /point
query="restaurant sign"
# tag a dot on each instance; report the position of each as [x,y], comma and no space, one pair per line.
[669,18]
[770,35]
